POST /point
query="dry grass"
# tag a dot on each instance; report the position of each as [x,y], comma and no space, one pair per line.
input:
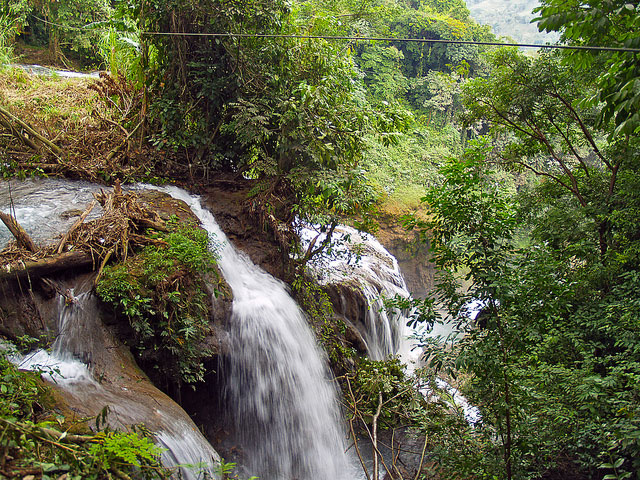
[92,121]
[119,228]
[113,236]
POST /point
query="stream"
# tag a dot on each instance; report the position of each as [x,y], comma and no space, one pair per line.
[279,390]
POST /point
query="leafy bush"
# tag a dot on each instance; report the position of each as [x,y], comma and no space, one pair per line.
[20,392]
[29,444]
[161,291]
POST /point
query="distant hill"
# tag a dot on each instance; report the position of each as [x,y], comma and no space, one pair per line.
[510,18]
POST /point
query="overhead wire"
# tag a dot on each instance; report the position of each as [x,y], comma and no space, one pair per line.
[366,39]
[398,39]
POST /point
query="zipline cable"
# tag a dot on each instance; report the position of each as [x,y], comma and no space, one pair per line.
[394,39]
[366,39]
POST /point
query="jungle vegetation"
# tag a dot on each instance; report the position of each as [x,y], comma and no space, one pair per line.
[525,166]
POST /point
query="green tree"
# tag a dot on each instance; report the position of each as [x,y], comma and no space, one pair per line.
[610,23]
[472,225]
[73,27]
[532,105]
[551,356]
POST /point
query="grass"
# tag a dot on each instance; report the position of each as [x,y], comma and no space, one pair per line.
[402,172]
[88,119]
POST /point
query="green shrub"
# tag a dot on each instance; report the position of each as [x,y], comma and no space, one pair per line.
[29,443]
[162,292]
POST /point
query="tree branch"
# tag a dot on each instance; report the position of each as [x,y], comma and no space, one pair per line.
[575,153]
[22,237]
[583,127]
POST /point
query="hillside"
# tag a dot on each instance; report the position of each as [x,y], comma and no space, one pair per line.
[510,18]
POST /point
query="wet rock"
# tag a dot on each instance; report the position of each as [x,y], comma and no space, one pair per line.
[86,332]
[74,212]
[227,201]
[348,300]
[354,338]
[413,257]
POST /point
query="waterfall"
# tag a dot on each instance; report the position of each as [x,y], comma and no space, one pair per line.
[279,386]
[81,339]
[359,258]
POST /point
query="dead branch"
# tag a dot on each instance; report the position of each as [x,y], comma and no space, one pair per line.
[353,433]
[11,118]
[17,134]
[118,148]
[48,433]
[424,449]
[46,266]
[23,239]
[374,436]
[75,226]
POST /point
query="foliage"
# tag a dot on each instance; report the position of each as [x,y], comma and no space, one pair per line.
[225,471]
[602,23]
[13,15]
[329,329]
[383,383]
[72,27]
[546,349]
[401,171]
[533,105]
[21,393]
[119,52]
[161,291]
[129,448]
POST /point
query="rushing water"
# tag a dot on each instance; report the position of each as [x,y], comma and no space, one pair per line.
[359,258]
[284,403]
[79,340]
[280,391]
[45,207]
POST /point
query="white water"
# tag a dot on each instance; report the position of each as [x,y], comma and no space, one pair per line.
[40,205]
[49,72]
[78,331]
[378,275]
[279,386]
[358,257]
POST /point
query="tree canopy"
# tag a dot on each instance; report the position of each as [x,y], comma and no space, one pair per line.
[609,24]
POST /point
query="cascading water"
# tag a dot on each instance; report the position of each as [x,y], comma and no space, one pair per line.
[284,404]
[84,349]
[79,339]
[358,257]
[45,207]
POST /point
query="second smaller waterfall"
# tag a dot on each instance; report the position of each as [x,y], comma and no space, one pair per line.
[359,259]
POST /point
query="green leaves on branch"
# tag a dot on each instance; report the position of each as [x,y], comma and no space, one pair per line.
[30,445]
[609,24]
[161,291]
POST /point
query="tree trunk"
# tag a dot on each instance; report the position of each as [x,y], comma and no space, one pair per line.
[47,266]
